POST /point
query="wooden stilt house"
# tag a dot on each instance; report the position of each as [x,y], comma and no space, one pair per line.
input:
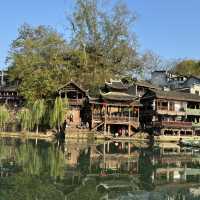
[115,111]
[76,96]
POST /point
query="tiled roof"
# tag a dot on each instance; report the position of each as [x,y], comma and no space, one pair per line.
[173,95]
[75,84]
[119,96]
[146,84]
[116,84]
[8,88]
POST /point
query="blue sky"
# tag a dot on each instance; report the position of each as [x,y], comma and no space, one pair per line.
[170,28]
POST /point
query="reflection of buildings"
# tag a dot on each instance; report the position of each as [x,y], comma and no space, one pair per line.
[176,165]
[160,168]
[116,156]
[73,150]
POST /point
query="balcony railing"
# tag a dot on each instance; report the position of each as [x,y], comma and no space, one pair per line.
[121,119]
[192,111]
[195,124]
[173,124]
[115,118]
[75,101]
[172,112]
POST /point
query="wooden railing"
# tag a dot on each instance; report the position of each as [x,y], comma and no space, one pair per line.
[121,118]
[75,101]
[169,112]
[165,108]
[191,111]
[115,118]
[195,124]
[162,107]
[173,124]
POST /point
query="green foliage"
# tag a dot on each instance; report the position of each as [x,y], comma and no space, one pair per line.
[4,116]
[37,62]
[102,46]
[34,172]
[188,67]
[38,112]
[105,39]
[57,116]
[24,116]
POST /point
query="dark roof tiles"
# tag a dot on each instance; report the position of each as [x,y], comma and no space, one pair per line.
[173,95]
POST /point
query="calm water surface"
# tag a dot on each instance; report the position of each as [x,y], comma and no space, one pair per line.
[31,170]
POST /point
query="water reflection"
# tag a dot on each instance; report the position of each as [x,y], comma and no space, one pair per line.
[91,170]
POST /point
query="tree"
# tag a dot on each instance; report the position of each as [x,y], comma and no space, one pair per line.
[24,117]
[4,117]
[188,67]
[57,116]
[38,112]
[106,39]
[36,62]
[103,46]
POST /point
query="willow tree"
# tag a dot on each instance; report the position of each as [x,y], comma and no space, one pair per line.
[38,112]
[4,117]
[24,117]
[57,116]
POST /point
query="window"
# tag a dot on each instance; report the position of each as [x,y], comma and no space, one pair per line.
[196,92]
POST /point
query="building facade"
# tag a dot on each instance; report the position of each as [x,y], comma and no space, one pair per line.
[170,112]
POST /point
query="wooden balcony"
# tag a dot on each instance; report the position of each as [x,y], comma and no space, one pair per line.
[173,124]
[171,112]
[74,102]
[120,119]
[195,125]
[191,111]
[115,119]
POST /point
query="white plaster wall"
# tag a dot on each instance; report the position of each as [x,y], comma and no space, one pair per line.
[179,105]
[194,88]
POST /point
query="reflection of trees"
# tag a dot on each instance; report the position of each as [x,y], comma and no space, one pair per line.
[36,160]
[22,187]
[38,168]
[145,170]
[84,161]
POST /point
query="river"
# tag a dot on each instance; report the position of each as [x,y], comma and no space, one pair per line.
[84,170]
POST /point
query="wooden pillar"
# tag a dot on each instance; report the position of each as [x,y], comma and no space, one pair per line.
[168,105]
[108,129]
[108,146]
[129,130]
[104,155]
[105,119]
[129,148]
[136,91]
[92,123]
[129,126]
[129,153]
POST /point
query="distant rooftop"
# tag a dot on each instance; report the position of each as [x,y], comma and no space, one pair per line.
[146,84]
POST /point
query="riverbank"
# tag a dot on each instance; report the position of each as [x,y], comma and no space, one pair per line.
[86,134]
[29,135]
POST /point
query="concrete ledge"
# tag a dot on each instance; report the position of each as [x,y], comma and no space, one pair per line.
[79,135]
[28,135]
